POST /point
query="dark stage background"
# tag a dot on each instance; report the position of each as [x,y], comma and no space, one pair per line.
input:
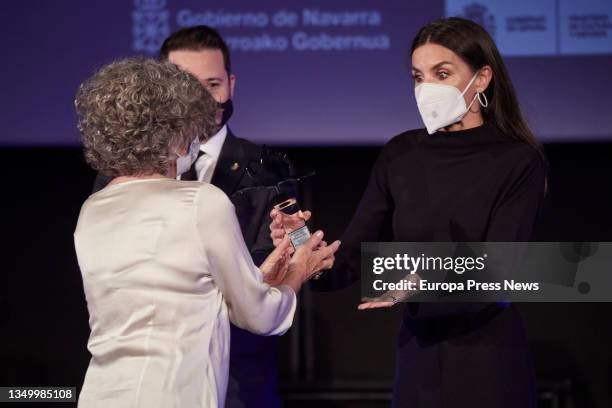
[333,353]
[311,99]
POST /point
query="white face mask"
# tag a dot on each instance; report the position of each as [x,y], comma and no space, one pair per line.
[441,105]
[184,163]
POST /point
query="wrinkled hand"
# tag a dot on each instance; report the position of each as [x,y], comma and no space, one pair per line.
[314,255]
[274,268]
[326,263]
[277,233]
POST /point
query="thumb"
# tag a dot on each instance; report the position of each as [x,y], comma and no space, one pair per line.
[314,240]
[281,248]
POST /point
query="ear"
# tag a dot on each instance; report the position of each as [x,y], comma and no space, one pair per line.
[232,84]
[484,78]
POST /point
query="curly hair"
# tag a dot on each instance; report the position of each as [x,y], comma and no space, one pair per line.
[134,113]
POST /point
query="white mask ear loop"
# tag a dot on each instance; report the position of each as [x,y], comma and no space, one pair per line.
[468,87]
[469,84]
[471,103]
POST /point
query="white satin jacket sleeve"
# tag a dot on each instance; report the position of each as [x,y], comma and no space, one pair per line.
[252,304]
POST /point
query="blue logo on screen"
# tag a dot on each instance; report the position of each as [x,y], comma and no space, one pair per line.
[151,25]
[480,14]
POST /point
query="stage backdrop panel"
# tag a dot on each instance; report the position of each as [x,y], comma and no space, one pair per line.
[309,72]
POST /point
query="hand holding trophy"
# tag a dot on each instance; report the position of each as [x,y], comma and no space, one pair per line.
[292,221]
[289,220]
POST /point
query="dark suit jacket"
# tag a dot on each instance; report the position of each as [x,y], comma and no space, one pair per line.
[246,178]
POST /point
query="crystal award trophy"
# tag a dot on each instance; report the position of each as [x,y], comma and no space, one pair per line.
[293,221]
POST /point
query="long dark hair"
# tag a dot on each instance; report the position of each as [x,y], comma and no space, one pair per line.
[476,47]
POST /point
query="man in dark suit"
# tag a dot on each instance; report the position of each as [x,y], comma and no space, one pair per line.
[245,172]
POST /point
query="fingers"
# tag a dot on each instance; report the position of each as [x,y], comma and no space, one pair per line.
[277,222]
[314,240]
[281,248]
[277,233]
[285,243]
[333,247]
[327,251]
[328,263]
[277,215]
[374,305]
[273,213]
[306,251]
[324,258]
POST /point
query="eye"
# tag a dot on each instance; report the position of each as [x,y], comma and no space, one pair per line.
[443,75]
[417,78]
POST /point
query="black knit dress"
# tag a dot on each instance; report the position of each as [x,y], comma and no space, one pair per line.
[470,185]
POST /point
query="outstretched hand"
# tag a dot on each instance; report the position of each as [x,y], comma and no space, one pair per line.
[387,299]
[376,304]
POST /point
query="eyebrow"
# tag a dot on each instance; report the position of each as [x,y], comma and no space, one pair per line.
[438,65]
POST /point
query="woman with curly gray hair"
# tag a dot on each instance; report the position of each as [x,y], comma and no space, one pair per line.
[163,261]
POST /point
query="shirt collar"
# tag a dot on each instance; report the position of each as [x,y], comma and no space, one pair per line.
[213,145]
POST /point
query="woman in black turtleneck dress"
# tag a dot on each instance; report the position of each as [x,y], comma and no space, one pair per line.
[475,174]
[467,185]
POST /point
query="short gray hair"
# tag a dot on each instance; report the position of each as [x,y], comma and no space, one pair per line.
[133,112]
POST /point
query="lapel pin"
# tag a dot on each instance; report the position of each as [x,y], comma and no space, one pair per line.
[235,166]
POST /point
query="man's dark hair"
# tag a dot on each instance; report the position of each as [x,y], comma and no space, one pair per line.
[196,38]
